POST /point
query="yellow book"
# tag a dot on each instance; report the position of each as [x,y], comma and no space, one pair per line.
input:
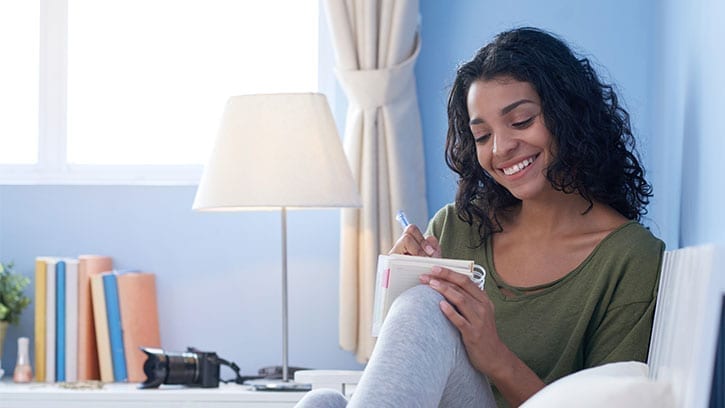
[100,319]
[40,319]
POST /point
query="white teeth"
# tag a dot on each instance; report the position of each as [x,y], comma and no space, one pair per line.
[518,167]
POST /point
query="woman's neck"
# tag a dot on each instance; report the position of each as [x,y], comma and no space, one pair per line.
[556,216]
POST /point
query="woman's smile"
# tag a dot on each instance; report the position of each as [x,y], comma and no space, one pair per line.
[518,167]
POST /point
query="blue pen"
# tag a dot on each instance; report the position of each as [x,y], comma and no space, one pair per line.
[400,216]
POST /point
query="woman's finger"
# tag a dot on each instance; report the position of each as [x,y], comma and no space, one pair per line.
[433,242]
[463,281]
[464,303]
[454,316]
[412,242]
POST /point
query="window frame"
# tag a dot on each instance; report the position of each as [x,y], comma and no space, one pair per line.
[52,167]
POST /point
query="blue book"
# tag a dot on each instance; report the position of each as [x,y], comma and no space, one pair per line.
[113,311]
[60,321]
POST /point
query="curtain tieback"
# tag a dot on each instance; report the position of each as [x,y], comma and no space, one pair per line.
[370,89]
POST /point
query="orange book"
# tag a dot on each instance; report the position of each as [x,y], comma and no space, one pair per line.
[88,265]
[139,319]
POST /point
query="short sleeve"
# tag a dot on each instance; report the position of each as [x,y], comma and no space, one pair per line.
[622,336]
[624,331]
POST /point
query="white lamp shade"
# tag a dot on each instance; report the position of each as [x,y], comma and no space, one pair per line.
[277,150]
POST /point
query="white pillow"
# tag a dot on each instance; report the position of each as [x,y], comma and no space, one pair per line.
[620,385]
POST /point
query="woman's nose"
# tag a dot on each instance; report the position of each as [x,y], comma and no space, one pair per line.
[503,143]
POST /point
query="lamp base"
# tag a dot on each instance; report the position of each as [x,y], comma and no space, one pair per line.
[263,384]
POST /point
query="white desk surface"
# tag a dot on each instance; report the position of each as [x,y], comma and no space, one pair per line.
[128,395]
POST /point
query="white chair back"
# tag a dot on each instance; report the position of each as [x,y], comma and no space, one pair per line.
[687,322]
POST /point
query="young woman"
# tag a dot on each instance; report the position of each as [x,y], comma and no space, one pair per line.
[550,194]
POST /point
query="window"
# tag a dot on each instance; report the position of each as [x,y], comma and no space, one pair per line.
[132,91]
[19,36]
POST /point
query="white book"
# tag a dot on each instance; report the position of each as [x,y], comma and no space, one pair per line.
[50,319]
[71,319]
[397,273]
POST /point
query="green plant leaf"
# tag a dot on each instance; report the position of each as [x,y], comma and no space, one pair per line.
[12,297]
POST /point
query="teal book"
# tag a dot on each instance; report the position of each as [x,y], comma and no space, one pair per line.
[60,321]
[115,334]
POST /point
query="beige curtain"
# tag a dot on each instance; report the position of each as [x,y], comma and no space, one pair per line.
[376,45]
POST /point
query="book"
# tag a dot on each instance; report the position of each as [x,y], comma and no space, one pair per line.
[88,265]
[40,310]
[50,307]
[139,319]
[60,320]
[115,335]
[397,273]
[71,319]
[100,322]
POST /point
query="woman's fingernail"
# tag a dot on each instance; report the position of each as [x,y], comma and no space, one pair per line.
[424,278]
[434,283]
[435,269]
[429,250]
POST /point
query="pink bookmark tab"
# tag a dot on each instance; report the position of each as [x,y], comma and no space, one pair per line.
[386,278]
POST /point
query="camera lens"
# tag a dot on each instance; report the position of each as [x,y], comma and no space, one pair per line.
[183,368]
[162,367]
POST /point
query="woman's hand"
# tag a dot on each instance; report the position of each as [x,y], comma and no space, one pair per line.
[472,312]
[412,242]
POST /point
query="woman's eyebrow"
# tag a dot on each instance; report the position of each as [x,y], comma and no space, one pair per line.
[506,109]
[513,106]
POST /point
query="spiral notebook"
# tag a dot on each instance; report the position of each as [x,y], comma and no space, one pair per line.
[397,273]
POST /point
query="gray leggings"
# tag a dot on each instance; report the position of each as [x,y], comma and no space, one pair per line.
[418,361]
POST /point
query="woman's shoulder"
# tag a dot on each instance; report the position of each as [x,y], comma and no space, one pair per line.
[623,268]
[457,237]
[446,217]
[633,255]
[634,237]
[445,212]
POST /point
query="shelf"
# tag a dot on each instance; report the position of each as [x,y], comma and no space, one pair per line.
[39,395]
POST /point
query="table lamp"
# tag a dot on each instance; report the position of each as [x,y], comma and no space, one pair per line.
[277,151]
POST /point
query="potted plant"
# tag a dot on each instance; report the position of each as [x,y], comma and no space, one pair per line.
[12,298]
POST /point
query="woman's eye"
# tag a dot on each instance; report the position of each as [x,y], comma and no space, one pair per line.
[482,138]
[523,124]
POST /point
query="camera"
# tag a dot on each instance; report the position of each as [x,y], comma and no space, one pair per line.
[193,368]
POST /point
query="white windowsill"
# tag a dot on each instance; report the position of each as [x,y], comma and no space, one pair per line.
[161,175]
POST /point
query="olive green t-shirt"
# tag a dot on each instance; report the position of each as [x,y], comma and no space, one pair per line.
[600,312]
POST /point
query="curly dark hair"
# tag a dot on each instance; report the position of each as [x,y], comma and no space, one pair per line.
[594,153]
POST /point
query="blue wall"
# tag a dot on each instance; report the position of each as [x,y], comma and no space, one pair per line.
[218,274]
[617,34]
[687,152]
[667,59]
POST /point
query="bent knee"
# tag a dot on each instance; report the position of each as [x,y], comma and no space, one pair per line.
[322,398]
[420,297]
[419,303]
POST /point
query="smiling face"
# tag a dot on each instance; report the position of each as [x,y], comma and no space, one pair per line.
[513,144]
